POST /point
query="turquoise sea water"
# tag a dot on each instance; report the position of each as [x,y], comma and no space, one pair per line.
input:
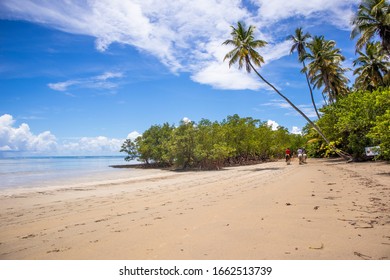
[45,171]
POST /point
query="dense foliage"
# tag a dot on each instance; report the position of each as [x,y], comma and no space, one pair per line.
[360,119]
[211,145]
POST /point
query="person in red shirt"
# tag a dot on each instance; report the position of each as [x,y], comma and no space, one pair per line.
[288,154]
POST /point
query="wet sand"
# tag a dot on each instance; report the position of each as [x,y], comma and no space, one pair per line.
[325,209]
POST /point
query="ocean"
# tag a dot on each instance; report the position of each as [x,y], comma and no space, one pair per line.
[53,171]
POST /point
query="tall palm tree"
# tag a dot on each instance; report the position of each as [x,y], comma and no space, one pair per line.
[325,68]
[373,67]
[371,19]
[299,44]
[244,54]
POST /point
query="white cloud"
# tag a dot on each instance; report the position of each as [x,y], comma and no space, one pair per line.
[94,145]
[336,12]
[133,135]
[273,124]
[308,110]
[97,82]
[62,86]
[219,76]
[296,130]
[275,51]
[185,36]
[21,139]
[186,120]
[109,75]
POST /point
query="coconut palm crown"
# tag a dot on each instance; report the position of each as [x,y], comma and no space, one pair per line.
[372,19]
[299,44]
[325,68]
[372,69]
[244,47]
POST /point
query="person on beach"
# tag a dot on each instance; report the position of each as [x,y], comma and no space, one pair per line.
[288,154]
[304,155]
[300,155]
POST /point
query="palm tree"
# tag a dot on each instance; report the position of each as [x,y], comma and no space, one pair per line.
[300,44]
[371,19]
[244,54]
[373,67]
[325,68]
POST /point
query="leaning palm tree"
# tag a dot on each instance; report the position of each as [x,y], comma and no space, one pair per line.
[372,19]
[299,44]
[325,68]
[244,53]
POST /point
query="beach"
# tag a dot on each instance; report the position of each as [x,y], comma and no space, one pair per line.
[325,209]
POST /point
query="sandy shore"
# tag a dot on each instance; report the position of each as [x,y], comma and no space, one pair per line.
[322,210]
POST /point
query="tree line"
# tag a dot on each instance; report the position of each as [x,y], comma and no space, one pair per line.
[211,145]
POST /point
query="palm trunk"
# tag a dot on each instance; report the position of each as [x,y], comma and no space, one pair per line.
[328,86]
[311,91]
[339,152]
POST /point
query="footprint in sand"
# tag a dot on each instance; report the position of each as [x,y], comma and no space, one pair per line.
[56,250]
[29,236]
[101,220]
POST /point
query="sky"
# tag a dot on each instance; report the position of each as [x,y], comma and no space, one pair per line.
[79,77]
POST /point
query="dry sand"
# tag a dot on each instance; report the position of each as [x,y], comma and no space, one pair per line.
[325,209]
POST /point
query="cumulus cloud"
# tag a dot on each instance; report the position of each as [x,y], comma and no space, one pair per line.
[185,36]
[21,139]
[273,124]
[94,145]
[133,135]
[296,130]
[186,120]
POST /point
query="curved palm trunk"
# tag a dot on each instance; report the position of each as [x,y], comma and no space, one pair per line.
[311,91]
[339,152]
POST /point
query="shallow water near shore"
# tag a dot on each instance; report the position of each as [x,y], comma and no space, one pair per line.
[44,171]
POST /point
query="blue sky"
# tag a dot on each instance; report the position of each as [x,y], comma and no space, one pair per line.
[79,77]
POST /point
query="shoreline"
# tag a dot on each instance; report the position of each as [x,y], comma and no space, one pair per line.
[322,210]
[173,168]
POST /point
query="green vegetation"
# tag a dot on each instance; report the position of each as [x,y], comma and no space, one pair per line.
[372,70]
[358,120]
[351,119]
[211,145]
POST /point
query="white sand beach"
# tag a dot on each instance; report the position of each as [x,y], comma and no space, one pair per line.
[325,209]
